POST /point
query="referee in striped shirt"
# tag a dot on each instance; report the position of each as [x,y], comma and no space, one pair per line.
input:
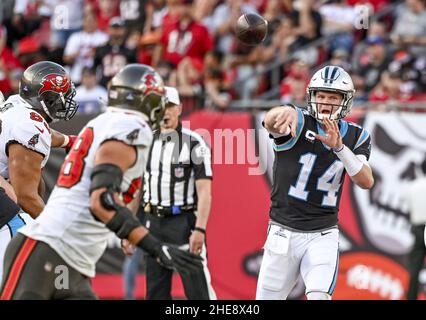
[177,200]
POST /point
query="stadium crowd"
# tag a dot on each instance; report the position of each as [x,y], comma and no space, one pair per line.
[192,45]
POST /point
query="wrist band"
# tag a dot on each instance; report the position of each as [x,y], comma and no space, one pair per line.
[350,161]
[66,141]
[202,230]
[338,150]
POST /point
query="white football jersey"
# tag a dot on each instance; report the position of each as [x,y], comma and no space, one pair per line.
[66,223]
[20,124]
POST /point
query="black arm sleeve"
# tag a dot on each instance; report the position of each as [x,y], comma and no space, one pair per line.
[8,208]
[364,148]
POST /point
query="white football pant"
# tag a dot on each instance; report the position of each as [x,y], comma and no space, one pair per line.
[288,254]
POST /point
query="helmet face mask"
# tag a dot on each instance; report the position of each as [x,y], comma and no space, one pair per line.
[334,80]
[46,86]
[59,106]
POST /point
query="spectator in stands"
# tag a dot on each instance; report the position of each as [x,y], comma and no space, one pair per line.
[410,27]
[27,17]
[340,57]
[375,62]
[15,79]
[133,39]
[90,95]
[160,10]
[114,55]
[213,60]
[375,30]
[412,70]
[243,63]
[308,21]
[204,8]
[29,52]
[338,17]
[105,10]
[8,62]
[184,38]
[222,22]
[80,49]
[293,86]
[359,85]
[170,15]
[274,14]
[391,89]
[217,95]
[67,18]
[167,73]
[137,14]
[6,10]
[147,45]
[189,78]
[279,43]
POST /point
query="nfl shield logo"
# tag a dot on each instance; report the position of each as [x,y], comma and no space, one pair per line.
[179,172]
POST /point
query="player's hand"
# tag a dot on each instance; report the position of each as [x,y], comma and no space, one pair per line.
[173,257]
[287,117]
[333,139]
[196,242]
[127,247]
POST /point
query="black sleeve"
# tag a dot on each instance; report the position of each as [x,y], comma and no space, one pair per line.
[201,157]
[281,140]
[8,208]
[364,148]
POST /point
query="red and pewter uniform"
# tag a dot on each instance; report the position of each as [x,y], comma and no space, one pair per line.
[19,124]
[66,223]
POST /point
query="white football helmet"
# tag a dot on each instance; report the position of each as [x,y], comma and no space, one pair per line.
[332,79]
[1,97]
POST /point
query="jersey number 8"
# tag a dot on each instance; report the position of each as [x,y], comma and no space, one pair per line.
[73,166]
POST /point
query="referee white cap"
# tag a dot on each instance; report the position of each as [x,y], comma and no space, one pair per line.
[172,95]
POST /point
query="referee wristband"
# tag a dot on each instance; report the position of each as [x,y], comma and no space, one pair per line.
[202,230]
[350,161]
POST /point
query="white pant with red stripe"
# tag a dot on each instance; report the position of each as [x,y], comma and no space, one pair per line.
[288,254]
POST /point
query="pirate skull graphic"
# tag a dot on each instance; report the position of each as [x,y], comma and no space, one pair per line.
[398,148]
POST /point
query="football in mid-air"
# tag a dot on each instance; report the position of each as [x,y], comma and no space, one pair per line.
[251,29]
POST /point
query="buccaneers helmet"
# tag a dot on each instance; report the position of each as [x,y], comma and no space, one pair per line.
[331,79]
[46,86]
[139,87]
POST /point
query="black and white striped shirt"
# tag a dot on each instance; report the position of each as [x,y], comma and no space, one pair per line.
[175,161]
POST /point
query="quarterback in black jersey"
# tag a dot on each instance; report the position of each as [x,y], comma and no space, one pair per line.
[313,150]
